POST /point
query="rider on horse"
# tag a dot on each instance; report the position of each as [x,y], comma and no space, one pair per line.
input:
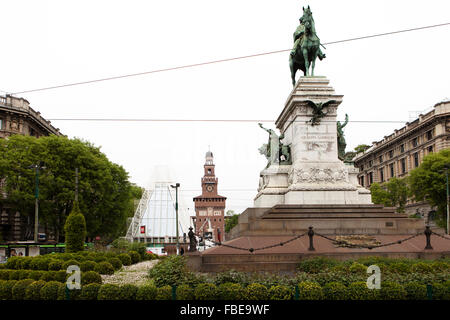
[298,38]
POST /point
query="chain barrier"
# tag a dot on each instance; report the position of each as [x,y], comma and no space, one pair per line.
[370,247]
[440,235]
[251,250]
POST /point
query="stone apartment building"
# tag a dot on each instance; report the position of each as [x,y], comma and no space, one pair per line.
[17,117]
[402,151]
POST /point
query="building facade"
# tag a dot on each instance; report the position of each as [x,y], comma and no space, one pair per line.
[17,117]
[210,206]
[402,151]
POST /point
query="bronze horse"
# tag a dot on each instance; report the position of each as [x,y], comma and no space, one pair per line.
[307,49]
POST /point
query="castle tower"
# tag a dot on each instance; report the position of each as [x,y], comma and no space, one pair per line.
[210,206]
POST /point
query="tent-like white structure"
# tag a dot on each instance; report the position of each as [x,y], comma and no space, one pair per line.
[155,218]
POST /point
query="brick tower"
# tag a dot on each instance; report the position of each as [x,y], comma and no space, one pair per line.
[210,206]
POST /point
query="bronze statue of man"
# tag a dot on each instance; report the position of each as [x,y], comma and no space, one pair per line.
[340,138]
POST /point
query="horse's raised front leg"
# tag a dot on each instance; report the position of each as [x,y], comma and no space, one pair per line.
[305,55]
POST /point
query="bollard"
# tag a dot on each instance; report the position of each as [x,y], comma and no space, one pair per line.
[428,235]
[311,235]
[429,292]
[67,293]
[174,292]
[297,293]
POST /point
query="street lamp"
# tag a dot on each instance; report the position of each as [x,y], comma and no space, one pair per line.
[36,168]
[176,186]
[446,175]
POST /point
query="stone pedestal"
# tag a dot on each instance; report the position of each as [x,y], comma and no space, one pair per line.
[316,175]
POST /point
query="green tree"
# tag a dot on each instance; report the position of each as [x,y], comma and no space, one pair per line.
[428,182]
[75,230]
[361,148]
[231,221]
[393,193]
[105,194]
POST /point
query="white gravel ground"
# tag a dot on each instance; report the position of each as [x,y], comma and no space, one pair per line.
[135,274]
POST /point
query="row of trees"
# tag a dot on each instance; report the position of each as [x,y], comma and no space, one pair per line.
[106,197]
[425,183]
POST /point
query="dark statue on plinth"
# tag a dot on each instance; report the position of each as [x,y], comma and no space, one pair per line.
[306,46]
[275,151]
[192,241]
[340,138]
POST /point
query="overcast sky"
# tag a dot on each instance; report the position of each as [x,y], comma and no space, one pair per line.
[47,43]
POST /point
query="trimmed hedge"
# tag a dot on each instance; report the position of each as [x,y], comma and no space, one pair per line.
[185,292]
[109,292]
[6,289]
[90,291]
[334,291]
[104,268]
[256,291]
[135,257]
[146,292]
[309,290]
[88,265]
[164,293]
[50,290]
[125,258]
[90,277]
[280,292]
[116,263]
[18,291]
[231,291]
[32,292]
[128,292]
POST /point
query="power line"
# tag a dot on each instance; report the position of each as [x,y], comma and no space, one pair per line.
[222,60]
[205,120]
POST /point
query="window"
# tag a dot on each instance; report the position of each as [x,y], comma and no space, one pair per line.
[415,142]
[382,175]
[370,178]
[429,134]
[416,159]
[380,158]
[361,181]
[391,154]
[403,164]
[1,123]
[217,213]
[430,149]
[391,168]
[402,148]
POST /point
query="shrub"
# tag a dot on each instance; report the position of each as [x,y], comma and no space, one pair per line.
[18,291]
[440,266]
[317,264]
[87,266]
[116,263]
[66,294]
[89,277]
[35,274]
[185,292]
[357,267]
[421,267]
[24,263]
[128,292]
[32,292]
[359,291]
[104,268]
[50,290]
[231,276]
[61,276]
[256,291]
[206,291]
[440,291]
[280,292]
[40,263]
[75,230]
[109,292]
[48,276]
[146,292]
[18,275]
[309,290]
[100,258]
[335,291]
[71,262]
[6,289]
[11,263]
[400,267]
[415,291]
[231,291]
[125,258]
[140,248]
[90,291]
[171,271]
[55,265]
[135,257]
[164,293]
[5,274]
[391,291]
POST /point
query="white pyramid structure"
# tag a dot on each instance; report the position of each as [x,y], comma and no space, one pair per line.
[155,218]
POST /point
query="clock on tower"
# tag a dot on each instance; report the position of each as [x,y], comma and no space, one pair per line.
[210,202]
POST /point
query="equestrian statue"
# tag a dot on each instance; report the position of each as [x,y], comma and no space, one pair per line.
[306,46]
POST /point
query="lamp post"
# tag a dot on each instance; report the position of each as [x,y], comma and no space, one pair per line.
[36,168]
[448,224]
[176,186]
